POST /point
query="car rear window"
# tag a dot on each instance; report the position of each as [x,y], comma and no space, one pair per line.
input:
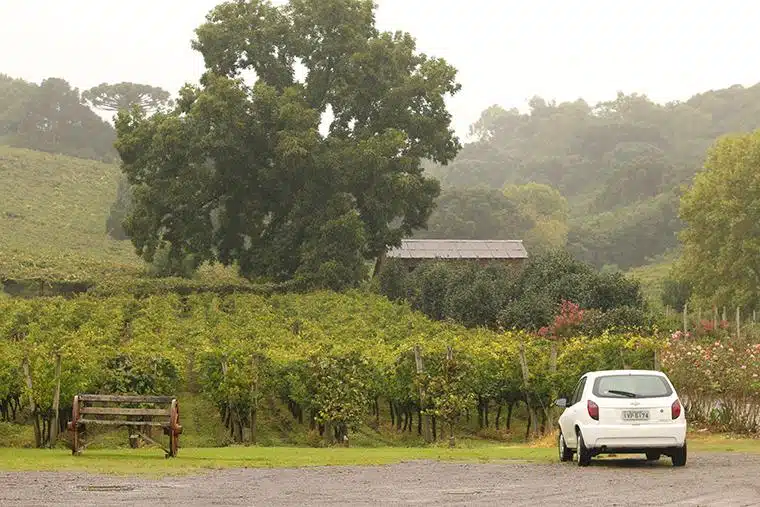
[632,386]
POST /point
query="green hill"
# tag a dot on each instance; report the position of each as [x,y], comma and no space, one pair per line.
[52,218]
[53,211]
[620,164]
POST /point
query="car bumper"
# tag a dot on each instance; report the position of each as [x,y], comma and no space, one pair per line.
[634,436]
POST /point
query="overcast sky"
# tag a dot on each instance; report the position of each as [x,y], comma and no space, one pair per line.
[506,50]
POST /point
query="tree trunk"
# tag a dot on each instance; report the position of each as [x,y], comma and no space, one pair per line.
[393,416]
[32,404]
[498,416]
[420,372]
[526,379]
[509,414]
[329,433]
[56,401]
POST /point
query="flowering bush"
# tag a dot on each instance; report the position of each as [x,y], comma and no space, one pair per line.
[566,323]
[720,382]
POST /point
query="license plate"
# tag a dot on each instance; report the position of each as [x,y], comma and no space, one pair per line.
[635,415]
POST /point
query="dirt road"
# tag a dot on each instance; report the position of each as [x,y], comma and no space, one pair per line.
[708,479]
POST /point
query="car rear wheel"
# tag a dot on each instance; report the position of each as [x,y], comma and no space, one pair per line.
[679,456]
[565,453]
[584,455]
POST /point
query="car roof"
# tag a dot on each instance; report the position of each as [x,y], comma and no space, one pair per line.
[600,373]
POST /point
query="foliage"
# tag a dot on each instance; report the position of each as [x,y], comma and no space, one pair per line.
[720,247]
[240,173]
[528,297]
[720,380]
[619,163]
[124,96]
[535,213]
[51,117]
[328,357]
[676,293]
[119,211]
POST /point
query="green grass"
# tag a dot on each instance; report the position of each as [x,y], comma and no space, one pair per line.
[652,277]
[53,211]
[152,463]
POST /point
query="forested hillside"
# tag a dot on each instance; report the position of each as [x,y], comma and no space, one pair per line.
[620,164]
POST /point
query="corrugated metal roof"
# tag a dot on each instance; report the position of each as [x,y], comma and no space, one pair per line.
[459,249]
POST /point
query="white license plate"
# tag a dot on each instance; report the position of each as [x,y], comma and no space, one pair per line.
[635,415]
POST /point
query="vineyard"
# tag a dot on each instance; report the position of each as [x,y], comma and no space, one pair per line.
[335,361]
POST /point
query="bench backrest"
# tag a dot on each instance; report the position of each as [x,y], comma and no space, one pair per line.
[83,405]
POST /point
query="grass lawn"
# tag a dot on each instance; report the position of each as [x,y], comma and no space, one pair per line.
[151,462]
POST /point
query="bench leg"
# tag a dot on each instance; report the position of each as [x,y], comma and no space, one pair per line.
[75,441]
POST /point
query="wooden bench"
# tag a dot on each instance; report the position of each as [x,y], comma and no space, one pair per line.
[106,409]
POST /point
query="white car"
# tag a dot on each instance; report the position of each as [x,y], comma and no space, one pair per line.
[622,412]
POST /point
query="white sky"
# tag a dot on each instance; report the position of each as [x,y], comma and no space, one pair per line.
[506,50]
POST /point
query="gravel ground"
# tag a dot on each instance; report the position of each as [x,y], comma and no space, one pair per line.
[708,479]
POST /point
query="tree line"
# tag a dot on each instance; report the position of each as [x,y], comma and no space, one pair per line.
[525,297]
[55,117]
[621,164]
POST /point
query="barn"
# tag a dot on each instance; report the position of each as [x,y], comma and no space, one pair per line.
[414,251]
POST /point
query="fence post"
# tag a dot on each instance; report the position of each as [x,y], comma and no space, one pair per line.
[657,359]
[420,372]
[738,324]
[685,317]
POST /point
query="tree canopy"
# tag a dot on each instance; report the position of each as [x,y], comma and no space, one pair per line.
[284,176]
[619,163]
[124,95]
[51,117]
[534,213]
[526,297]
[721,240]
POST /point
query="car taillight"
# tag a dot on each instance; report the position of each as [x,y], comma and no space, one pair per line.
[675,409]
[593,410]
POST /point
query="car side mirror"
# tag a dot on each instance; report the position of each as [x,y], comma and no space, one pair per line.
[562,402]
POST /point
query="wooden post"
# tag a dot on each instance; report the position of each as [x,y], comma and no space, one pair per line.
[657,360]
[738,323]
[56,401]
[420,371]
[724,315]
[685,317]
[254,400]
[449,358]
[715,317]
[699,316]
[532,414]
[754,316]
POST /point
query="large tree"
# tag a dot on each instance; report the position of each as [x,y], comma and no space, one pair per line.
[721,240]
[240,172]
[51,117]
[119,96]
